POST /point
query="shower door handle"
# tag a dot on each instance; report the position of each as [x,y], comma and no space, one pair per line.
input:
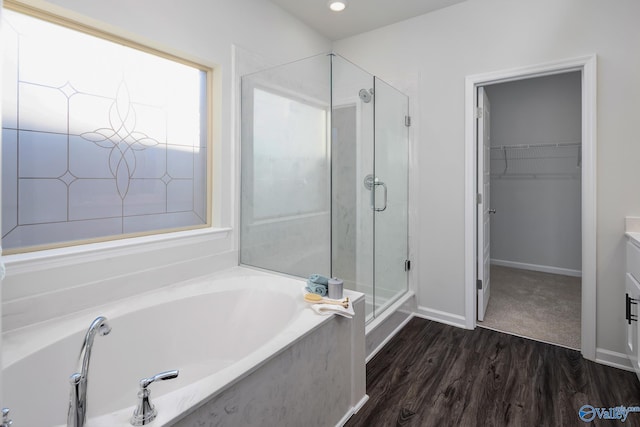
[370,184]
[373,200]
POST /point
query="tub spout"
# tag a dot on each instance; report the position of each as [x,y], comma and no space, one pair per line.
[77,414]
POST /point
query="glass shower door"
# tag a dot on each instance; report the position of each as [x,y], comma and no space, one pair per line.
[391,183]
[352,160]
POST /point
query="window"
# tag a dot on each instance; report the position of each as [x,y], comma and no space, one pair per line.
[101,139]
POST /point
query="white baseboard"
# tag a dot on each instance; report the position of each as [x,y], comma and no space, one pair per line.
[360,404]
[352,411]
[613,358]
[441,316]
[536,267]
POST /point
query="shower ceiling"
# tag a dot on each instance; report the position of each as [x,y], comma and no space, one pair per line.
[360,16]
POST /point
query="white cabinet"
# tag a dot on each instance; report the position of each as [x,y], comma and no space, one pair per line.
[632,293]
[632,305]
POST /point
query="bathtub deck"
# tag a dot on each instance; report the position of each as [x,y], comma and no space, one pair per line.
[432,374]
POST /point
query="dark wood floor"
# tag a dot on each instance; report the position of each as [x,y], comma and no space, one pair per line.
[432,374]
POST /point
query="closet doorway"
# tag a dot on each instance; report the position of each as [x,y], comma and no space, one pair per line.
[530,220]
[532,186]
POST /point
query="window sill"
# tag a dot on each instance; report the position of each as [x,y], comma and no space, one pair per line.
[59,257]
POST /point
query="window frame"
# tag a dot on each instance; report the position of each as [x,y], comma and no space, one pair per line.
[111,241]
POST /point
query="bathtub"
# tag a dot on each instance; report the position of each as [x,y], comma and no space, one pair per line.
[245,343]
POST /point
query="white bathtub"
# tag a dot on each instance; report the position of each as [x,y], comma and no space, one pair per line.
[215,330]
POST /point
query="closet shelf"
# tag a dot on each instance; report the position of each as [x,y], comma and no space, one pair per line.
[546,145]
[559,159]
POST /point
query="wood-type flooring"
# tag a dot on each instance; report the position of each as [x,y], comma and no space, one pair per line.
[432,374]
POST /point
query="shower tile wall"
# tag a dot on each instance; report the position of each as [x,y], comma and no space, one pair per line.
[344,181]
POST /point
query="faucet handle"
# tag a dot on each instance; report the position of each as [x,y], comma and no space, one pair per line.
[167,375]
[6,422]
[145,412]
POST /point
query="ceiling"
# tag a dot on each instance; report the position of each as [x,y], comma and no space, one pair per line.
[360,15]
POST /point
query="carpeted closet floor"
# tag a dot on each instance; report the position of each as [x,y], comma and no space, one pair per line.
[541,306]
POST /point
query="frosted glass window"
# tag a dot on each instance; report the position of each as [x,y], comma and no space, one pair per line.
[290,158]
[99,140]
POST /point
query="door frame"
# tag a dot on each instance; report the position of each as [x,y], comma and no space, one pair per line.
[587,66]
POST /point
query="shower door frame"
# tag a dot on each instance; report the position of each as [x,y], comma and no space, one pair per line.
[587,66]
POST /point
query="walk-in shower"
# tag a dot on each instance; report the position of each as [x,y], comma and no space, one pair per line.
[325,176]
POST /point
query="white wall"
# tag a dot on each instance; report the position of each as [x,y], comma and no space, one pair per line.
[536,192]
[200,30]
[480,36]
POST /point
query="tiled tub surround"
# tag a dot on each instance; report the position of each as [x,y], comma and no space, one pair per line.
[248,348]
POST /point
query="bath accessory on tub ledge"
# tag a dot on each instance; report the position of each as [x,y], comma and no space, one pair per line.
[318,284]
[318,279]
[145,412]
[317,299]
[335,288]
[327,309]
[325,306]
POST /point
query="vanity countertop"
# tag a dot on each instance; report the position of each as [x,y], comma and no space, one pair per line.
[632,229]
[633,236]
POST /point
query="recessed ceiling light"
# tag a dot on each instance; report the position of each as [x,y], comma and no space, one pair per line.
[337,5]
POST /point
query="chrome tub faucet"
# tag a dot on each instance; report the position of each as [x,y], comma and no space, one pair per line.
[77,414]
[145,412]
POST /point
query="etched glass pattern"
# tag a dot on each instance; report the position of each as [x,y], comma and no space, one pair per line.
[99,140]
